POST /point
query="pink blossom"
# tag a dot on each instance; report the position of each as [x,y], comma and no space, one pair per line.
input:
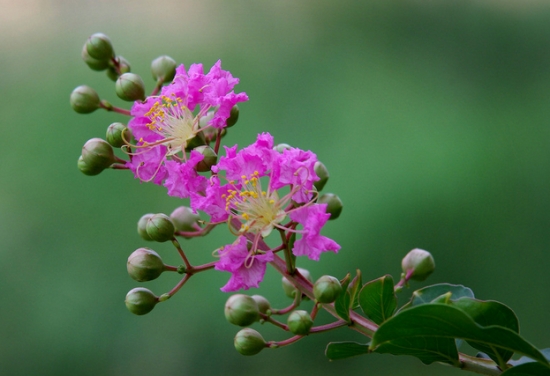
[295,167]
[312,244]
[247,268]
[147,165]
[183,180]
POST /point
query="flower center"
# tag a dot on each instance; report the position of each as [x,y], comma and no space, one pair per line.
[174,121]
[260,210]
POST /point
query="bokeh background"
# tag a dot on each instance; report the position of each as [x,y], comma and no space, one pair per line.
[431,116]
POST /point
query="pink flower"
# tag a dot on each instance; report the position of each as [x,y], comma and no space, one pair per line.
[312,244]
[247,268]
[183,180]
[295,167]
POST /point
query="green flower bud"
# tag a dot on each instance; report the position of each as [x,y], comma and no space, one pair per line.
[210,158]
[88,170]
[421,262]
[99,47]
[97,153]
[233,116]
[289,288]
[94,64]
[326,289]
[160,228]
[142,226]
[263,303]
[282,147]
[144,264]
[184,219]
[163,68]
[140,301]
[249,342]
[334,204]
[117,133]
[84,100]
[322,173]
[241,310]
[299,322]
[130,87]
[123,67]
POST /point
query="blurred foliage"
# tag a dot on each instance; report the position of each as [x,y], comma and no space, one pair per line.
[432,118]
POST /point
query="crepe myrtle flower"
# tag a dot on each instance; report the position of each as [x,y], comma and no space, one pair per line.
[164,124]
[255,175]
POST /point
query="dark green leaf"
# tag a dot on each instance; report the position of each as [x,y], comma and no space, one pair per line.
[427,349]
[528,369]
[354,288]
[342,350]
[445,321]
[429,293]
[377,299]
[342,303]
[524,359]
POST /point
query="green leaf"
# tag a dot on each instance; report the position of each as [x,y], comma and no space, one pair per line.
[377,299]
[427,349]
[524,359]
[343,301]
[487,313]
[527,369]
[353,289]
[342,350]
[430,293]
[445,321]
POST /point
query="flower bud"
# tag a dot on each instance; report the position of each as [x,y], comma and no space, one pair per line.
[241,310]
[163,68]
[97,153]
[94,64]
[249,342]
[130,87]
[140,301]
[289,288]
[233,116]
[263,303]
[209,160]
[117,133]
[99,47]
[334,204]
[144,264]
[88,170]
[322,173]
[281,147]
[142,226]
[123,67]
[184,219]
[421,262]
[160,228]
[84,100]
[326,289]
[299,322]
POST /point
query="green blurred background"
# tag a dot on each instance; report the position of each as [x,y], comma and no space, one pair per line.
[431,116]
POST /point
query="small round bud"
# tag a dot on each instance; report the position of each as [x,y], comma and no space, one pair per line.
[233,116]
[184,219]
[299,322]
[282,147]
[123,67]
[99,47]
[163,68]
[326,289]
[249,342]
[334,204]
[94,64]
[241,310]
[322,173]
[263,303]
[88,170]
[289,288]
[209,160]
[160,228]
[84,100]
[142,226]
[97,153]
[140,301]
[144,264]
[117,133]
[130,87]
[421,262]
